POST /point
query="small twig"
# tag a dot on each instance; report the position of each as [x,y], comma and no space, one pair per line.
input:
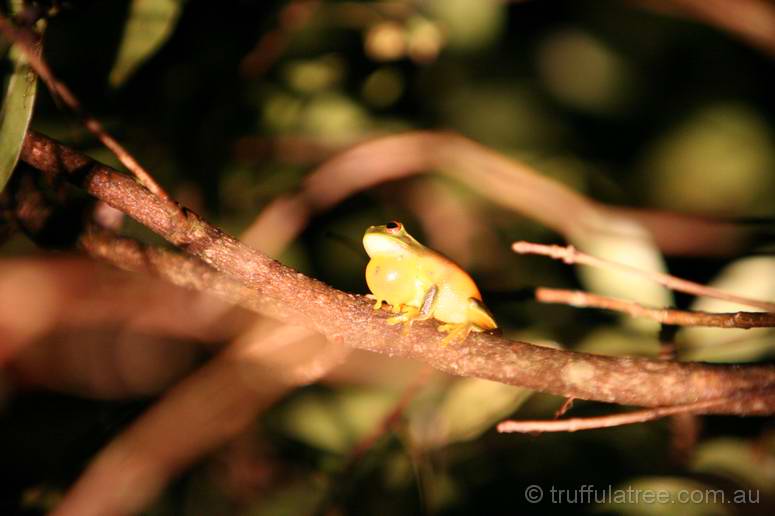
[592,423]
[571,255]
[270,46]
[745,320]
[684,427]
[27,42]
[367,442]
[391,418]
[565,407]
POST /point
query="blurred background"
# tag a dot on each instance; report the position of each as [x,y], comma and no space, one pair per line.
[658,105]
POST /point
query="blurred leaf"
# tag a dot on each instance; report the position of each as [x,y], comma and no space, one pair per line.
[583,72]
[505,116]
[336,421]
[313,75]
[739,460]
[624,241]
[642,497]
[469,24]
[719,160]
[301,496]
[751,277]
[473,406]
[16,113]
[616,342]
[383,87]
[335,118]
[149,25]
[385,41]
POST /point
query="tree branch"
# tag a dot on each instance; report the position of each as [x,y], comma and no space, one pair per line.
[593,423]
[571,255]
[268,286]
[26,41]
[582,299]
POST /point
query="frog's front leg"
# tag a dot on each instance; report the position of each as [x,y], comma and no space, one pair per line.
[377,301]
[410,314]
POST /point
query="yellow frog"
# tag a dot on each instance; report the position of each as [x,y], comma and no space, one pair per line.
[420,283]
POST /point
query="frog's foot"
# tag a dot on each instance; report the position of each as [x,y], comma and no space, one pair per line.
[407,317]
[377,302]
[456,332]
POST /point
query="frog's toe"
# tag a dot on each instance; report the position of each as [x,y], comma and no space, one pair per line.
[398,319]
[455,333]
[409,315]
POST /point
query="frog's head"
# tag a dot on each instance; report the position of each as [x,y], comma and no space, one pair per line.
[389,240]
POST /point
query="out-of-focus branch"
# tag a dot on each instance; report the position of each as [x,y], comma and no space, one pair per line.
[582,299]
[136,331]
[753,21]
[237,385]
[264,284]
[271,45]
[509,183]
[593,423]
[26,41]
[571,255]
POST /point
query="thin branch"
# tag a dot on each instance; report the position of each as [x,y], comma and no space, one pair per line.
[582,299]
[565,407]
[593,423]
[391,418]
[27,41]
[571,255]
[270,46]
[260,283]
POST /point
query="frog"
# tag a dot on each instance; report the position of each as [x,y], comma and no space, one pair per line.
[419,283]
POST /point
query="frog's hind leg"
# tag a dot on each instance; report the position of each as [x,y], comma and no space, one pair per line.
[479,319]
[479,316]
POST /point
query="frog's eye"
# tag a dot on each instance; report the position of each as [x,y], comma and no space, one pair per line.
[394,226]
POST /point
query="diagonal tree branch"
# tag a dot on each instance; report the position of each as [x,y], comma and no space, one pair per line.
[283,293]
[60,91]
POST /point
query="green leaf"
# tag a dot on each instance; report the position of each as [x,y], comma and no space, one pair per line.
[470,408]
[624,241]
[754,277]
[336,421]
[16,112]
[149,25]
[752,464]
